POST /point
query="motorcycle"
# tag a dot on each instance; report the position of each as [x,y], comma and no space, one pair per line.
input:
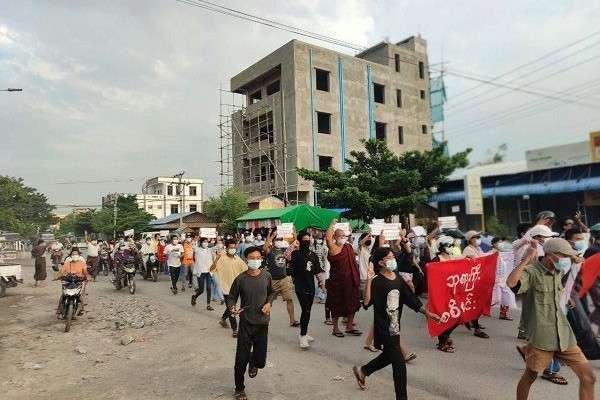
[104,262]
[151,267]
[70,300]
[129,276]
[56,257]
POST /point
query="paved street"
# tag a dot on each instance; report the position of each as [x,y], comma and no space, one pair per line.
[187,355]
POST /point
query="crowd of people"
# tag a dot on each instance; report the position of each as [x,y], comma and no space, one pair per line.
[362,270]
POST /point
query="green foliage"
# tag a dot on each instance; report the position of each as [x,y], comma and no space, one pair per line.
[101,222]
[496,228]
[22,208]
[226,208]
[379,183]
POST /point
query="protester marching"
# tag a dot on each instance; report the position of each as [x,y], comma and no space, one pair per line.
[551,277]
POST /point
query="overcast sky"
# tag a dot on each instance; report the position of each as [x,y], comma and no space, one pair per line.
[126,89]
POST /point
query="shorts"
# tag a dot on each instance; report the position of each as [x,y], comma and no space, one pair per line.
[537,360]
[283,287]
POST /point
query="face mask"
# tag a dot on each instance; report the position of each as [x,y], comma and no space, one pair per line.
[391,265]
[385,245]
[204,245]
[75,257]
[280,244]
[188,240]
[341,241]
[368,243]
[563,264]
[259,238]
[219,246]
[148,242]
[231,252]
[319,241]
[254,264]
[477,242]
[175,241]
[94,242]
[420,241]
[580,245]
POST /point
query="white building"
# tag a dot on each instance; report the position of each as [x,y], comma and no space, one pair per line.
[163,196]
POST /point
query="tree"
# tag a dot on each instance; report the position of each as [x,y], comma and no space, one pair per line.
[76,223]
[226,208]
[129,216]
[496,228]
[379,183]
[23,209]
[495,156]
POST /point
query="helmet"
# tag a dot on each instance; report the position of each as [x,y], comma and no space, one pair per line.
[445,241]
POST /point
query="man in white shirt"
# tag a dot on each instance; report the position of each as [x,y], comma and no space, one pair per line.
[174,253]
[92,256]
[203,259]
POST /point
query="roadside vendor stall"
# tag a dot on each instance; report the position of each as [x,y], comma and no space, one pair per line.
[302,216]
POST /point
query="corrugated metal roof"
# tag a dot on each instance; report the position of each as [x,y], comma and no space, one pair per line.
[171,218]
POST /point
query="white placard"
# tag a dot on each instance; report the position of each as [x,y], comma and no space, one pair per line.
[285,229]
[391,231]
[164,233]
[128,232]
[376,226]
[209,233]
[473,197]
[345,226]
[448,222]
[455,209]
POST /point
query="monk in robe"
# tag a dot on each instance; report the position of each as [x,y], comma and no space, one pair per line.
[343,295]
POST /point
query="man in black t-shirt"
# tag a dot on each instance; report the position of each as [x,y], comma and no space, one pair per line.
[388,292]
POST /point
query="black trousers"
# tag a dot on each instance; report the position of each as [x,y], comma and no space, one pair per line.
[391,354]
[443,338]
[174,271]
[203,279]
[227,315]
[251,349]
[306,302]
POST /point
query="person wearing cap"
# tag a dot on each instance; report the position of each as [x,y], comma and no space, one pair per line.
[550,335]
[594,291]
[575,222]
[473,250]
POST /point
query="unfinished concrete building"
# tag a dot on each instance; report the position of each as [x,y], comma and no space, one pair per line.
[307,106]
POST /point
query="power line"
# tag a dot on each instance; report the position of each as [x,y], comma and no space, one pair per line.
[522,66]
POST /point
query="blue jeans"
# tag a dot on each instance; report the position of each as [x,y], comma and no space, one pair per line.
[217,293]
[554,366]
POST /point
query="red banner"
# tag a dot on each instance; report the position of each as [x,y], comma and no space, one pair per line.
[460,290]
[590,270]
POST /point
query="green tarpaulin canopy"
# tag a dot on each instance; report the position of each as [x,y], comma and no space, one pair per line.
[303,216]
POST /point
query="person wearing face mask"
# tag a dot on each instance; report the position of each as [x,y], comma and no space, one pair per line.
[320,249]
[74,264]
[550,335]
[387,292]
[343,294]
[254,289]
[245,243]
[226,267]
[93,260]
[217,248]
[174,253]
[187,261]
[365,244]
[160,254]
[276,263]
[146,252]
[501,294]
[203,259]
[305,267]
[473,250]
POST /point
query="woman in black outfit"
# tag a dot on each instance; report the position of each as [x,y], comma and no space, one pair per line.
[305,266]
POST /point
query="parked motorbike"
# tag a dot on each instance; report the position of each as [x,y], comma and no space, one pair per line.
[56,257]
[70,301]
[104,264]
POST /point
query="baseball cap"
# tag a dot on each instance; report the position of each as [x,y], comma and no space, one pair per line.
[541,230]
[559,245]
[470,234]
[545,215]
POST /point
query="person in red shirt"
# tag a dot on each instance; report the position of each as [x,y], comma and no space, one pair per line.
[160,254]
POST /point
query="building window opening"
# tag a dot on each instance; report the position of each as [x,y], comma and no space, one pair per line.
[399,98]
[421,70]
[273,88]
[322,79]
[325,162]
[323,122]
[424,129]
[397,62]
[193,191]
[400,135]
[380,131]
[255,97]
[379,93]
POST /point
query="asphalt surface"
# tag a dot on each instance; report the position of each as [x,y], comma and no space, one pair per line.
[195,355]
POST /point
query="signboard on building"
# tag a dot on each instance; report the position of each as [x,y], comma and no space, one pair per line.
[559,156]
[595,146]
[473,198]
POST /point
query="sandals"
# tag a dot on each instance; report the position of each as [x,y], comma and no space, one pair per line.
[446,348]
[328,322]
[371,348]
[295,324]
[410,357]
[252,372]
[481,334]
[338,334]
[360,378]
[354,332]
[555,378]
[240,395]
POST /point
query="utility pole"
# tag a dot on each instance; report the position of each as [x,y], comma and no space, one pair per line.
[11,90]
[181,197]
[115,210]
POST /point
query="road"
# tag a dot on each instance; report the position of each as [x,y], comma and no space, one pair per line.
[185,354]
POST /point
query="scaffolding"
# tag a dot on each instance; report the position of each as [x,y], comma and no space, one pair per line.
[253,147]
